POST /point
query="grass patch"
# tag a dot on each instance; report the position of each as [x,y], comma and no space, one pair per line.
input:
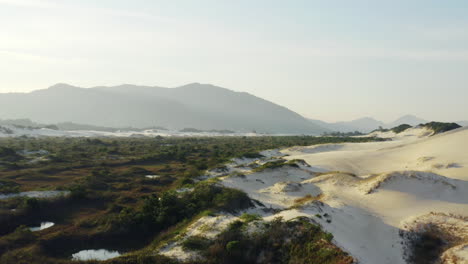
[300,202]
[401,128]
[277,164]
[111,201]
[440,127]
[297,241]
[196,243]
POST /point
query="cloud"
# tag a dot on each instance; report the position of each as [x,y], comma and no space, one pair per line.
[29,3]
[31,57]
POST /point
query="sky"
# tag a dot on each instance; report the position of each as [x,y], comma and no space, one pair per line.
[330,60]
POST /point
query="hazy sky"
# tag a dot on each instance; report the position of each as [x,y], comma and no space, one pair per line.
[330,60]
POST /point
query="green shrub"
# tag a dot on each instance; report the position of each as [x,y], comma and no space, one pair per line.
[247,218]
[439,127]
[328,237]
[278,164]
[232,245]
[9,154]
[401,128]
[196,243]
[294,241]
[252,155]
[31,204]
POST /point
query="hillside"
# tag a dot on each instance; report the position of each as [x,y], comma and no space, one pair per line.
[365,125]
[368,124]
[407,119]
[199,106]
[378,199]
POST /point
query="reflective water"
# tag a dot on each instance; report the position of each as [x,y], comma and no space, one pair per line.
[43,226]
[95,254]
[34,194]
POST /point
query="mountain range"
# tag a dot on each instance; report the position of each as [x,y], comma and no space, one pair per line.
[199,106]
[368,124]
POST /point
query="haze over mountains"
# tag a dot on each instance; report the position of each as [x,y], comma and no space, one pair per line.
[199,106]
[368,124]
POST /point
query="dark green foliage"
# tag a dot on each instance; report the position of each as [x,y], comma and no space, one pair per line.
[247,218]
[401,128]
[77,192]
[161,212]
[9,154]
[343,134]
[112,204]
[252,155]
[21,236]
[232,246]
[31,204]
[276,164]
[196,243]
[380,129]
[8,186]
[439,127]
[297,241]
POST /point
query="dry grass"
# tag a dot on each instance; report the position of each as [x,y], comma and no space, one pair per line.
[300,202]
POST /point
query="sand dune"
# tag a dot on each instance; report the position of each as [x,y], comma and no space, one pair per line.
[443,154]
[375,198]
[372,191]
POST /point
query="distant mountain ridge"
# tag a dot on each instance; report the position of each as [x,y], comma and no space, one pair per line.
[368,124]
[199,106]
[365,124]
[407,119]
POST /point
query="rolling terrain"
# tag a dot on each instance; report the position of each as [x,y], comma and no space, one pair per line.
[393,202]
[199,106]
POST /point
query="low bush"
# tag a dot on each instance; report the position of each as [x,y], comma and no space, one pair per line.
[247,218]
[276,164]
[297,241]
[252,155]
[401,128]
[196,243]
[439,127]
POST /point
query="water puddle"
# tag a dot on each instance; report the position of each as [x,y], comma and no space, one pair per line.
[34,194]
[95,254]
[152,176]
[43,226]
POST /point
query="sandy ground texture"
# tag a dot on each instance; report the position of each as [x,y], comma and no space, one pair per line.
[366,194]
[8,131]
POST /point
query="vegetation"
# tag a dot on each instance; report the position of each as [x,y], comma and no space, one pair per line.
[112,204]
[439,127]
[297,241]
[247,218]
[343,134]
[300,202]
[276,164]
[9,154]
[196,243]
[380,129]
[401,128]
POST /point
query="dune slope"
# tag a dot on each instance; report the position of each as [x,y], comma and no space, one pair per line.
[369,195]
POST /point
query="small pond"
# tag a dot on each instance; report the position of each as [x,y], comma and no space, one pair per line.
[43,226]
[34,194]
[95,254]
[153,176]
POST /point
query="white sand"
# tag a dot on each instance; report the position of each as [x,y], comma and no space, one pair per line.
[367,192]
[14,131]
[207,226]
[395,182]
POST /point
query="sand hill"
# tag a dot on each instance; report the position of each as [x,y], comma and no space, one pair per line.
[377,199]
